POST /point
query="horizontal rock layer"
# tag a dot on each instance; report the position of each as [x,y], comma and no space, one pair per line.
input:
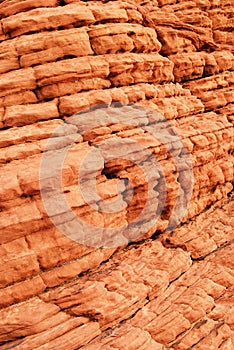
[172,63]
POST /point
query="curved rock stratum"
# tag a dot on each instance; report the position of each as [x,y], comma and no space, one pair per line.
[140,97]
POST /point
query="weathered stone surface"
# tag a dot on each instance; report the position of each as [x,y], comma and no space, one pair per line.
[21,290]
[2,34]
[44,19]
[39,48]
[108,313]
[197,64]
[8,58]
[19,221]
[117,38]
[11,7]
[42,314]
[48,253]
[200,237]
[58,275]
[80,330]
[14,254]
[29,114]
[17,81]
[23,97]
[167,289]
[183,316]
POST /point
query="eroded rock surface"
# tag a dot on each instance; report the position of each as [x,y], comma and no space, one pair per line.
[169,60]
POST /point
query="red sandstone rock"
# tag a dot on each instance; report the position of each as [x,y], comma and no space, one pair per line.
[14,82]
[43,18]
[44,315]
[28,114]
[168,290]
[11,7]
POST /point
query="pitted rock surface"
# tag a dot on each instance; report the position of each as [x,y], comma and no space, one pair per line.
[164,290]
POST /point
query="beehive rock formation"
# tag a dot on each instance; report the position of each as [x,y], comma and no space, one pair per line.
[165,290]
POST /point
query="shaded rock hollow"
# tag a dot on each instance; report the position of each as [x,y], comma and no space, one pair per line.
[167,290]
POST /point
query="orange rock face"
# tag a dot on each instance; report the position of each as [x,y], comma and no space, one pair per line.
[119,114]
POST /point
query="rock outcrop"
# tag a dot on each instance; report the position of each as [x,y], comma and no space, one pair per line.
[88,75]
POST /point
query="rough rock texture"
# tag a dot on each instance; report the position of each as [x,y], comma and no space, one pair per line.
[166,290]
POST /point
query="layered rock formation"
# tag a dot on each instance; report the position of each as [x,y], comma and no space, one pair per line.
[161,60]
